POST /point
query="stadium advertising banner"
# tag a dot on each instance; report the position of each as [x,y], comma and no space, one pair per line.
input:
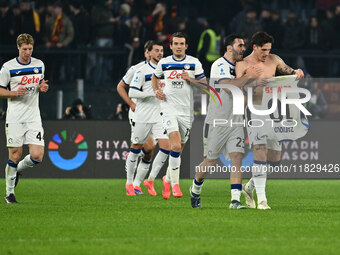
[82,149]
[97,149]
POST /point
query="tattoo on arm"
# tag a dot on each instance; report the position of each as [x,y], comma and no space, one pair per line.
[283,68]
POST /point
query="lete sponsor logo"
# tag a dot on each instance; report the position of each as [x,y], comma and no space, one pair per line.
[25,80]
[175,75]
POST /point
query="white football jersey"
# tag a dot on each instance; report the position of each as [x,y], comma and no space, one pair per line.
[221,69]
[148,108]
[127,78]
[178,93]
[294,124]
[14,74]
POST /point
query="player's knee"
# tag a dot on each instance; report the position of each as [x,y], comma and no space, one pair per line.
[237,156]
[210,162]
[274,156]
[148,148]
[37,156]
[164,144]
[176,147]
[260,153]
[15,156]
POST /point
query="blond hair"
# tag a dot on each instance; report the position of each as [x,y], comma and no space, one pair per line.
[25,39]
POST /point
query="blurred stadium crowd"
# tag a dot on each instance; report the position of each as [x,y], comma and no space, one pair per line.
[97,40]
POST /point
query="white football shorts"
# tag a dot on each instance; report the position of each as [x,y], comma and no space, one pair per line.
[18,134]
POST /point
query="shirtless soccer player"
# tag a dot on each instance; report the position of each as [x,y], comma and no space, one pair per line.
[267,151]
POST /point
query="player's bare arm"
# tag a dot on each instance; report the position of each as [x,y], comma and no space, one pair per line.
[247,75]
[43,86]
[121,88]
[283,68]
[155,85]
[198,83]
[4,93]
[241,68]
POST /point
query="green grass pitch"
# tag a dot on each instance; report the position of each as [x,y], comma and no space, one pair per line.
[87,216]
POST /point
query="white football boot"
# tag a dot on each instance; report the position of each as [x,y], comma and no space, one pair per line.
[249,196]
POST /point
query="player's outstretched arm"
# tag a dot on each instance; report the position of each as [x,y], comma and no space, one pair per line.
[283,68]
[4,93]
[123,94]
[43,86]
[197,83]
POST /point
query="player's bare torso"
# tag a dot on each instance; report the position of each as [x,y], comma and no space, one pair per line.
[267,70]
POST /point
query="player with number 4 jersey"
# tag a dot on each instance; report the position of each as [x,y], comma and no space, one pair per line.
[21,80]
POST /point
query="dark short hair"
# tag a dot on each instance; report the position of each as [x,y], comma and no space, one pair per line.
[180,35]
[150,46]
[261,38]
[230,39]
[146,45]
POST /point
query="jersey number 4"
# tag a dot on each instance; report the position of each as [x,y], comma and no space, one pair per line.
[39,137]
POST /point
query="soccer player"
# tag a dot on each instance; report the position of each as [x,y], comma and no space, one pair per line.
[267,151]
[21,80]
[125,83]
[223,138]
[147,120]
[180,72]
[121,88]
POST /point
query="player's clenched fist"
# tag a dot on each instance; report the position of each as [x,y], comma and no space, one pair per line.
[185,76]
[20,92]
[43,86]
[159,94]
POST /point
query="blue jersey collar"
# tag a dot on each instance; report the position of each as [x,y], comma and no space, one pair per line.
[228,61]
[173,57]
[152,65]
[23,63]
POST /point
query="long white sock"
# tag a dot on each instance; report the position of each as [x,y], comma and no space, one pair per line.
[174,164]
[11,173]
[259,171]
[130,165]
[197,186]
[27,162]
[236,191]
[142,170]
[168,176]
[158,163]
